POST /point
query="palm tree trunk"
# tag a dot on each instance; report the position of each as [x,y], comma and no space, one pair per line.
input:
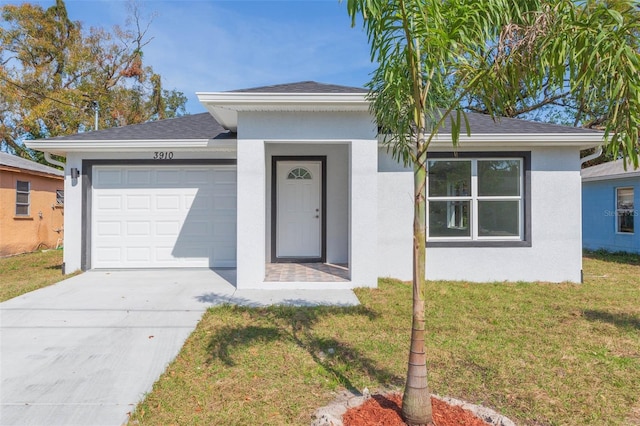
[416,402]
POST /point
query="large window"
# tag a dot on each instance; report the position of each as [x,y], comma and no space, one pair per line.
[476,199]
[22,198]
[625,211]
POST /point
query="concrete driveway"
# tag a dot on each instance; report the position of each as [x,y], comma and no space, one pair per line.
[87,350]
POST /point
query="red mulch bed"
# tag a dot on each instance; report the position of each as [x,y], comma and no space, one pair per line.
[384,410]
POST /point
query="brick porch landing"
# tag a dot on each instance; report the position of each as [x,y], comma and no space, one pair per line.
[306,272]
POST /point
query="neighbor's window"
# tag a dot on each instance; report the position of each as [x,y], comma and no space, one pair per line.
[475,199]
[22,198]
[624,210]
[60,197]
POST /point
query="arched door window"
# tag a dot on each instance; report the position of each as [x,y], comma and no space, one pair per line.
[299,173]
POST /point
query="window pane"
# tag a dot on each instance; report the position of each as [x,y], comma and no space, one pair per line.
[22,210]
[22,186]
[449,178]
[22,198]
[499,177]
[59,196]
[498,218]
[299,173]
[449,219]
[625,222]
[625,198]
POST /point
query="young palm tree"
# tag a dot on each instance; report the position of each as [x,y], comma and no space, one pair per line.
[432,54]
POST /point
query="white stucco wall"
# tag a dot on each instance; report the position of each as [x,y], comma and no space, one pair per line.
[73,212]
[555,254]
[348,140]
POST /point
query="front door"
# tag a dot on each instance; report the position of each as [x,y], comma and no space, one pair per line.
[299,210]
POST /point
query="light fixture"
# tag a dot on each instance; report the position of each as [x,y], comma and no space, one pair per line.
[75,173]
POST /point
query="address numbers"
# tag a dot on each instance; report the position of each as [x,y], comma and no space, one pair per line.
[163,155]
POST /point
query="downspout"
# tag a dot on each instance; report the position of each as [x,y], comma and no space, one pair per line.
[593,156]
[50,159]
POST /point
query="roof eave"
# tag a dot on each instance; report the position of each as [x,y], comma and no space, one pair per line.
[628,175]
[225,106]
[65,146]
[31,172]
[514,140]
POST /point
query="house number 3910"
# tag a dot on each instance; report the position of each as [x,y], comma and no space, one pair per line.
[163,155]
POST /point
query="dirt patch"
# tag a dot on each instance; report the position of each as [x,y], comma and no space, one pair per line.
[383,409]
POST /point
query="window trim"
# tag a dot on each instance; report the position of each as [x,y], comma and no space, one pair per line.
[525,225]
[28,203]
[632,211]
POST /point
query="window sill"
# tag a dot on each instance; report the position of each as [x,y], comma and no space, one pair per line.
[504,243]
[23,217]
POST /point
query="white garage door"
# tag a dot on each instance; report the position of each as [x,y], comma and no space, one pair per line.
[163,216]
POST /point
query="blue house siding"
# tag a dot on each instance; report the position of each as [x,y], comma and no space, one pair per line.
[599,216]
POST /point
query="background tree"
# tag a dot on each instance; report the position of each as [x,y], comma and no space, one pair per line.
[433,56]
[52,73]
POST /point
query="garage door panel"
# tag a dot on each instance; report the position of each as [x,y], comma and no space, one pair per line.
[109,254]
[198,176]
[138,202]
[138,254]
[139,228]
[167,202]
[109,202]
[167,178]
[167,227]
[163,216]
[107,179]
[108,229]
[138,177]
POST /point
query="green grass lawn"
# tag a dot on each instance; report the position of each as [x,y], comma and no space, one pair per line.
[27,272]
[542,354]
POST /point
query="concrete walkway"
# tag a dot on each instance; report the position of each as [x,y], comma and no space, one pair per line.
[86,350]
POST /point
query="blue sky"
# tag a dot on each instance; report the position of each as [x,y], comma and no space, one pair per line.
[215,45]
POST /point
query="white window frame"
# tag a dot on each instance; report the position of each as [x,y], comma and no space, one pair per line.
[630,211]
[28,203]
[474,198]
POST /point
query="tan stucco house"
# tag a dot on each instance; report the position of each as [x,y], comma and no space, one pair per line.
[31,205]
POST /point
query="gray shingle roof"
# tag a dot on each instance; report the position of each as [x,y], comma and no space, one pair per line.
[610,170]
[303,87]
[196,126]
[484,124]
[14,161]
[204,126]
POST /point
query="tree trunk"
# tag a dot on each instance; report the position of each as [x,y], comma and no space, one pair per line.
[416,402]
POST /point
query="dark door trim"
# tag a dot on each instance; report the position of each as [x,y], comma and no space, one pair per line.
[274,209]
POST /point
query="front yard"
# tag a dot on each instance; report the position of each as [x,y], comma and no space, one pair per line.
[542,354]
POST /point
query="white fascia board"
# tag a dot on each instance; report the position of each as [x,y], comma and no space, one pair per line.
[65,146]
[224,106]
[514,140]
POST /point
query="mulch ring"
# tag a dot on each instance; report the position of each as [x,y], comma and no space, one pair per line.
[383,409]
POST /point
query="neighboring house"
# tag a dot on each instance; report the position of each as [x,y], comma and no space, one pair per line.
[297,173]
[31,205]
[611,207]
